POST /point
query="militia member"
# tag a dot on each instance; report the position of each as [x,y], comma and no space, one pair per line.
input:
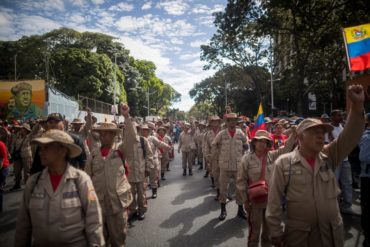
[164,155]
[228,147]
[306,180]
[255,171]
[107,169]
[186,146]
[156,145]
[59,205]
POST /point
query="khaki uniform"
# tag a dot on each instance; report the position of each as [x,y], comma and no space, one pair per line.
[69,216]
[229,152]
[164,157]
[93,141]
[84,134]
[187,147]
[250,172]
[23,144]
[212,160]
[155,167]
[138,166]
[199,143]
[113,188]
[313,217]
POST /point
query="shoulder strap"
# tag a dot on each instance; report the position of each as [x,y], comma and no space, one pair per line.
[120,154]
[289,175]
[143,146]
[263,171]
[36,182]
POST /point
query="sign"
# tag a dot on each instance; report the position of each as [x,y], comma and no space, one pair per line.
[22,100]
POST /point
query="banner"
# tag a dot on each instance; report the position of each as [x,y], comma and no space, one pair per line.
[357,41]
[22,100]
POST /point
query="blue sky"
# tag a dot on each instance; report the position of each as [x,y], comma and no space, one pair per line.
[167,32]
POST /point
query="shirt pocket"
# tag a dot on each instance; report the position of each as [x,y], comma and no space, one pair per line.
[71,210]
[329,188]
[37,209]
[297,186]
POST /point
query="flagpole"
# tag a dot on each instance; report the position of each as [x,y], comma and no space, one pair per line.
[347,54]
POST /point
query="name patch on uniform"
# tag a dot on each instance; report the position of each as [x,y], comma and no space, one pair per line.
[38,195]
[292,172]
[70,194]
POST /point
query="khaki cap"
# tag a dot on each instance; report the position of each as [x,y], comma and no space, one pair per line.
[107,127]
[26,126]
[262,135]
[151,125]
[313,122]
[144,127]
[60,137]
[161,128]
[21,86]
[214,118]
[77,121]
[268,120]
[231,116]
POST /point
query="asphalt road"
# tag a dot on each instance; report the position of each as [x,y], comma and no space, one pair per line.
[184,214]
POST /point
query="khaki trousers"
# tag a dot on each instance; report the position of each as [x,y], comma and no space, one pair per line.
[115,229]
[153,177]
[224,181]
[139,198]
[24,163]
[164,162]
[215,171]
[187,159]
[256,221]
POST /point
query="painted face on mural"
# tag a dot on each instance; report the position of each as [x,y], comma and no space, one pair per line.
[23,98]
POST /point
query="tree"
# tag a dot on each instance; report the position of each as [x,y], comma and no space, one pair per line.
[240,88]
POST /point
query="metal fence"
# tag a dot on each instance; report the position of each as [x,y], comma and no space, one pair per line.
[94,105]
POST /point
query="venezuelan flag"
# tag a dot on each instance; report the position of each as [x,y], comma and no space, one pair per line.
[358,46]
[260,121]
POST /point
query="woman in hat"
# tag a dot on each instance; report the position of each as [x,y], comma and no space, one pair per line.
[253,178]
[59,205]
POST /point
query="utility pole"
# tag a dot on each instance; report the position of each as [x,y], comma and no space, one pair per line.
[114,84]
[47,67]
[225,92]
[15,67]
[271,79]
[148,102]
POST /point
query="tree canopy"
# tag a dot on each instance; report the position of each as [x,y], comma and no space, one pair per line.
[89,64]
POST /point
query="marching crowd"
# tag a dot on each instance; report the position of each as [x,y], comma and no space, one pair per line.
[86,181]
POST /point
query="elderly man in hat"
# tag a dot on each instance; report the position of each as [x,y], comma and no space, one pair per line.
[163,153]
[212,161]
[157,147]
[254,174]
[82,130]
[22,154]
[59,205]
[187,146]
[108,170]
[228,148]
[306,180]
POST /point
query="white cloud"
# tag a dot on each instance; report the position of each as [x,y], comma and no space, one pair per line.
[198,43]
[77,18]
[173,7]
[34,24]
[200,9]
[189,56]
[218,8]
[47,5]
[150,24]
[122,7]
[97,2]
[206,20]
[147,5]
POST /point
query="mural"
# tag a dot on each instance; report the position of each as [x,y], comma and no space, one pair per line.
[22,100]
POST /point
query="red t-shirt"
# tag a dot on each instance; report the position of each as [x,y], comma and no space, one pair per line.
[4,154]
[232,133]
[104,151]
[55,180]
[311,162]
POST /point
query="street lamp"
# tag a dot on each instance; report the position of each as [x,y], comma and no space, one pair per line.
[148,96]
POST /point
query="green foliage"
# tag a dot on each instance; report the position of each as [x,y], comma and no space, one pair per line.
[306,37]
[84,63]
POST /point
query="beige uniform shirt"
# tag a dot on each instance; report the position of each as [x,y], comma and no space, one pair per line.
[312,193]
[251,167]
[69,216]
[155,144]
[229,150]
[166,139]
[84,133]
[186,142]
[209,137]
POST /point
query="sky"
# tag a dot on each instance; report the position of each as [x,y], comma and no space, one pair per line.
[167,32]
